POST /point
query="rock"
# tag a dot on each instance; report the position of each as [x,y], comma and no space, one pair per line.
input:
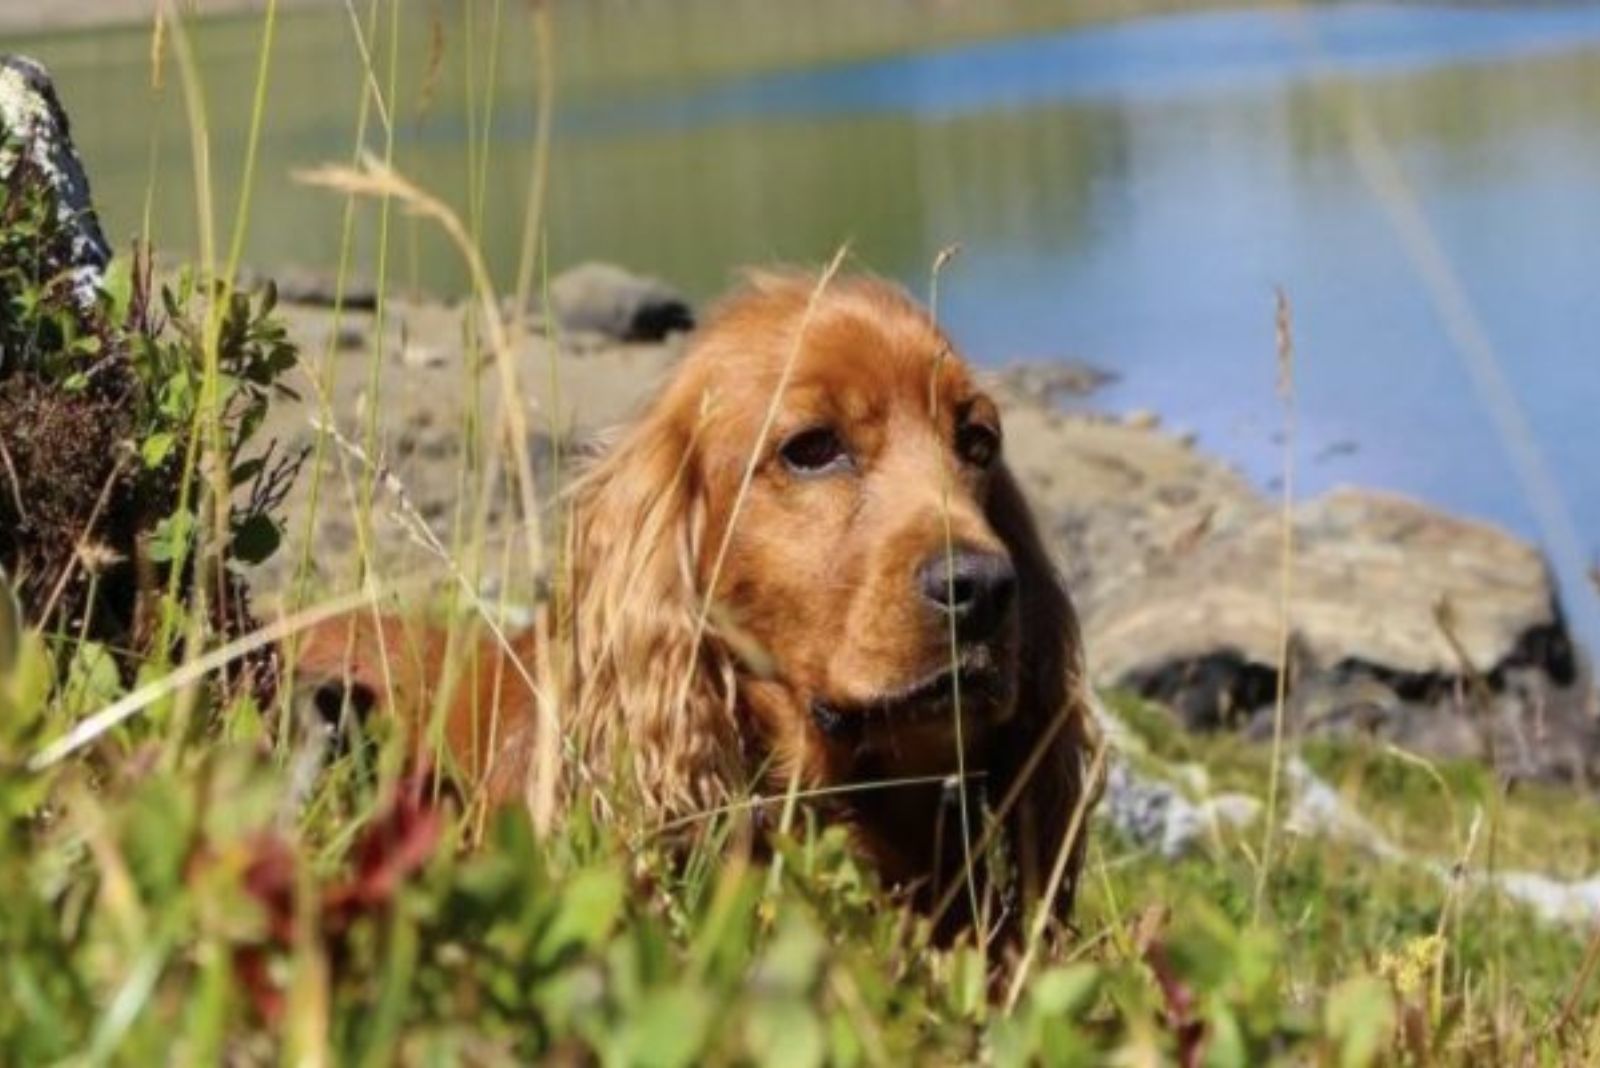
[1156,815]
[35,135]
[598,298]
[1438,634]
[311,288]
[1370,570]
[1052,381]
[1143,807]
[418,354]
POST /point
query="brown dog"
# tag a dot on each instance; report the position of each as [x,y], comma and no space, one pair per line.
[804,566]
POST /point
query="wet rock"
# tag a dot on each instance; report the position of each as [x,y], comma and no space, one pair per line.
[1435,633]
[599,298]
[36,136]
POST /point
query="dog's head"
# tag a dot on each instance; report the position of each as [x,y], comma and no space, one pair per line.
[808,561]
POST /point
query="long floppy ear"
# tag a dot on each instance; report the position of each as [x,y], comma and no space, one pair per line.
[651,699]
[1043,755]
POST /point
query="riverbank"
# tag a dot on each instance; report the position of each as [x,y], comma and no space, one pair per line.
[1409,625]
[26,19]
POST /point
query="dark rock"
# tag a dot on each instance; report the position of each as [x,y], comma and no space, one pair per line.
[598,298]
[312,288]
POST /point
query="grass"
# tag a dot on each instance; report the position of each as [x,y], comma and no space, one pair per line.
[188,882]
[203,910]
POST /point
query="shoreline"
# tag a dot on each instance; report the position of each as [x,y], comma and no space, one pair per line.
[87,16]
[1172,555]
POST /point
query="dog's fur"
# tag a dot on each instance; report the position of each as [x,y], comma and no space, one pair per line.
[732,625]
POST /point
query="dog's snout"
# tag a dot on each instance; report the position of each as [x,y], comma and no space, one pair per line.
[974,586]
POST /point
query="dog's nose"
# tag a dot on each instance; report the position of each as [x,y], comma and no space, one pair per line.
[976,587]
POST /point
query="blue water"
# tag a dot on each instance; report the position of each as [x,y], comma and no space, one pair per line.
[1228,174]
[1144,59]
[1130,196]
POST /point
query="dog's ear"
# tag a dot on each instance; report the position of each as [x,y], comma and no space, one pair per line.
[651,693]
[1043,755]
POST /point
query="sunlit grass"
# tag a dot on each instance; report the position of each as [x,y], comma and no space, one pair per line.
[240,902]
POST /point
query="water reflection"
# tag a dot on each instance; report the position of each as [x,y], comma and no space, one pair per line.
[1130,195]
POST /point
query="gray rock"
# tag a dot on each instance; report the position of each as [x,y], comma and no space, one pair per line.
[1371,572]
[1157,815]
[1436,633]
[599,298]
[34,132]
[1053,381]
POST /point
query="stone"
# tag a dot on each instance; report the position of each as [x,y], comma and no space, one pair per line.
[1052,382]
[602,299]
[1407,625]
[1431,632]
[35,133]
[1370,573]
[311,288]
[1157,815]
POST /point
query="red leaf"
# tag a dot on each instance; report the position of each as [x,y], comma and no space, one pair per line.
[393,847]
[1186,1027]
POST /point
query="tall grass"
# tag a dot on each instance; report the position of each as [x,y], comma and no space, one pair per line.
[221,906]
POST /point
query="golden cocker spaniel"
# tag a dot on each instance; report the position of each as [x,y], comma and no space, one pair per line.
[805,567]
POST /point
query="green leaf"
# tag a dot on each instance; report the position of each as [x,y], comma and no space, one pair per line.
[176,401]
[668,1029]
[156,448]
[92,678]
[1359,1017]
[968,979]
[25,684]
[589,909]
[790,963]
[256,538]
[172,537]
[247,471]
[117,284]
[1065,991]
[1225,1046]
[785,1034]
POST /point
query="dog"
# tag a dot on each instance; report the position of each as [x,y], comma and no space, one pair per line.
[804,568]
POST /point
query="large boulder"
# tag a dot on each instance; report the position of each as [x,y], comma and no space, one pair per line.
[1436,633]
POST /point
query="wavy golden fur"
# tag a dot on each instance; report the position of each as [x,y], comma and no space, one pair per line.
[804,566]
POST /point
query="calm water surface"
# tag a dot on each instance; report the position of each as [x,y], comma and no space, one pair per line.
[1128,195]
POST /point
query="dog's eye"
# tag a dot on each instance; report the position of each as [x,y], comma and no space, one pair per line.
[977,444]
[814,452]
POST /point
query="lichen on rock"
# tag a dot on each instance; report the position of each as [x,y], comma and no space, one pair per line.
[36,135]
